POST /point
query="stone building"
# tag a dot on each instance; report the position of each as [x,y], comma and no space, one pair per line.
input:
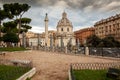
[30,34]
[109,26]
[82,34]
[59,38]
[64,32]
[50,38]
[35,39]
[32,39]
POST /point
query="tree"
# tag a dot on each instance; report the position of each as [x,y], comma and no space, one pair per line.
[24,24]
[101,44]
[117,43]
[9,27]
[17,10]
[93,41]
[109,41]
[10,38]
[2,17]
[25,20]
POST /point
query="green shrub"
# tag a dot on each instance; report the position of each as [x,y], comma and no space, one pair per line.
[90,75]
[12,49]
[12,72]
[28,79]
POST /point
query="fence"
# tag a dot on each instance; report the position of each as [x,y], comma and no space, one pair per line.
[107,52]
[95,66]
[80,50]
[92,66]
[52,49]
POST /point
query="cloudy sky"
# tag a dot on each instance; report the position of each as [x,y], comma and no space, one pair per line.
[82,13]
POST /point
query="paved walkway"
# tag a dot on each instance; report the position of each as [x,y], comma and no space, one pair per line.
[52,66]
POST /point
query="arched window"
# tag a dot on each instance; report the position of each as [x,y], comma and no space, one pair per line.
[68,29]
[61,29]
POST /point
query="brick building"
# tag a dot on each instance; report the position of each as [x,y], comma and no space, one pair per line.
[82,34]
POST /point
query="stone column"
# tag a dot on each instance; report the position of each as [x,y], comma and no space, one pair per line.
[31,45]
[39,41]
[53,49]
[66,49]
[46,30]
[78,43]
[86,51]
[51,42]
[24,40]
[62,44]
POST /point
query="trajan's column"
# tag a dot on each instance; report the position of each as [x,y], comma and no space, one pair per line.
[46,30]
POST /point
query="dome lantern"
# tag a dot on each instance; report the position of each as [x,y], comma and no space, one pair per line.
[64,15]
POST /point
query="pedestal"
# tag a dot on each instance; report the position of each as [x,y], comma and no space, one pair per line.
[86,51]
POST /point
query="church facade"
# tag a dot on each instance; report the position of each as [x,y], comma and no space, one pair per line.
[62,36]
[65,33]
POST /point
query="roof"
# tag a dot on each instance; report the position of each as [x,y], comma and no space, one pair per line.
[64,21]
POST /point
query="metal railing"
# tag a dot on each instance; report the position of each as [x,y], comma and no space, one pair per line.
[105,52]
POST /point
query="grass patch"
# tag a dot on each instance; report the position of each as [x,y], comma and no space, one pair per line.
[12,72]
[12,49]
[90,74]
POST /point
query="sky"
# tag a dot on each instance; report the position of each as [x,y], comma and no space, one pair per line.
[82,13]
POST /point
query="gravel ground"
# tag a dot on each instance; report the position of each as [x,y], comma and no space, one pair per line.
[52,66]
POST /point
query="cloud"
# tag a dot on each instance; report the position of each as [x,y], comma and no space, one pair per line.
[82,13]
[85,5]
[37,29]
[41,29]
[73,4]
[111,6]
[88,9]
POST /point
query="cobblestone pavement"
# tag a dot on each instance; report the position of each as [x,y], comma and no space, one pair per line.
[52,66]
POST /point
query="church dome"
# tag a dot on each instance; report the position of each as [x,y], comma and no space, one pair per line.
[64,21]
